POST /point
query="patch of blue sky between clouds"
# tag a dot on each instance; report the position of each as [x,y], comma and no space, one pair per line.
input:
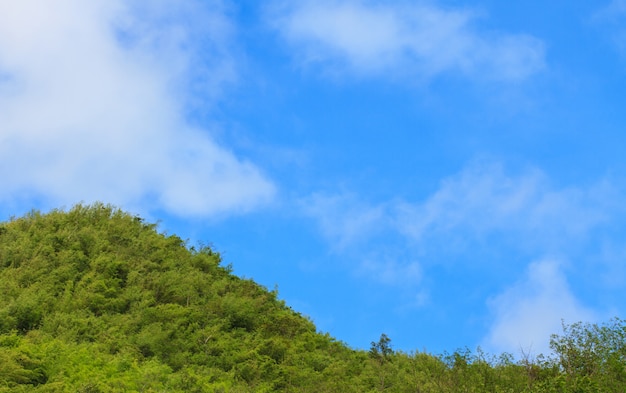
[417,40]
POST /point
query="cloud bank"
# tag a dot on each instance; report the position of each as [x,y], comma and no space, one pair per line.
[94,105]
[418,40]
[527,313]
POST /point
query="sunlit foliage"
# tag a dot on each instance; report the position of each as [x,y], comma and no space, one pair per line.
[97,300]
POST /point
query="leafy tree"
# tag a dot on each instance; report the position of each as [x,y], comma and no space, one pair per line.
[381,353]
[593,356]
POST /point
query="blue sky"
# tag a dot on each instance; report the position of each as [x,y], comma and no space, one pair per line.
[450,173]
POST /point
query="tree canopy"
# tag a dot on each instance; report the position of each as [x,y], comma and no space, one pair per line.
[94,299]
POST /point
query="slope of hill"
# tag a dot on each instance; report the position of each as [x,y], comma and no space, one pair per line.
[97,300]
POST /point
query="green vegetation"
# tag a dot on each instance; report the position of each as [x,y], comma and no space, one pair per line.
[97,300]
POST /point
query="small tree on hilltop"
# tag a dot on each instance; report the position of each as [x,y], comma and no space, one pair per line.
[381,353]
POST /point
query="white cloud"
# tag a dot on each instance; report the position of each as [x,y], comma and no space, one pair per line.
[93,102]
[391,270]
[483,199]
[611,18]
[352,227]
[416,40]
[526,314]
[343,219]
[483,206]
[614,10]
[488,221]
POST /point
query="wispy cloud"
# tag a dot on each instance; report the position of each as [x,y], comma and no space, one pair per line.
[418,40]
[515,216]
[611,18]
[358,229]
[343,219]
[94,98]
[390,270]
[527,313]
[484,199]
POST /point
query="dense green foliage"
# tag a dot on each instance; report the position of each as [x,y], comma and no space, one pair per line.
[97,300]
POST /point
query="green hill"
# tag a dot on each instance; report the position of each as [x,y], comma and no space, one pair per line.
[97,300]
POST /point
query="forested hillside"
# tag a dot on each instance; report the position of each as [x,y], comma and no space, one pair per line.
[96,300]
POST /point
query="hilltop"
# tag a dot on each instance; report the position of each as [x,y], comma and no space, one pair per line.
[97,300]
